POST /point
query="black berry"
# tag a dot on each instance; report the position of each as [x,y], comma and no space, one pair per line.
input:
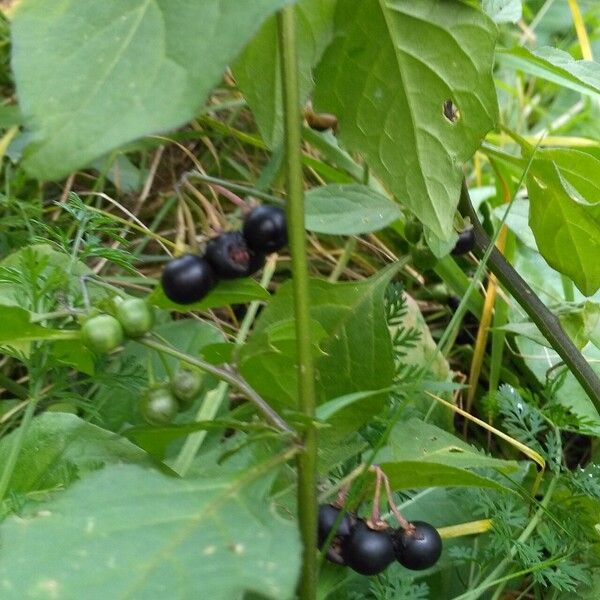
[188,279]
[265,229]
[230,256]
[419,548]
[327,517]
[465,242]
[368,551]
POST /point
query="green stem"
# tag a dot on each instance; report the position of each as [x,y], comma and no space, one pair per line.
[342,263]
[546,321]
[307,503]
[13,387]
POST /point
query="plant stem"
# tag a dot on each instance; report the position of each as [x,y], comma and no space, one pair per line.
[546,321]
[307,503]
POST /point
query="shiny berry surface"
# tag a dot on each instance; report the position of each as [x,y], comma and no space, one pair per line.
[368,551]
[187,279]
[265,229]
[418,549]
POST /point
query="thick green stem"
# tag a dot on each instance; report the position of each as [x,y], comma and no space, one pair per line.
[546,321]
[307,503]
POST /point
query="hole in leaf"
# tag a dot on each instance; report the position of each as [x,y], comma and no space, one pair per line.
[450,111]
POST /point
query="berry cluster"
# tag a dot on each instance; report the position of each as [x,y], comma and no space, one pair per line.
[369,549]
[103,333]
[162,402]
[189,278]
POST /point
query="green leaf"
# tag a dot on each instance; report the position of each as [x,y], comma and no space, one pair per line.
[257,71]
[416,440]
[348,210]
[17,328]
[388,90]
[355,353]
[130,532]
[566,227]
[419,454]
[416,474]
[94,75]
[238,291]
[503,11]
[60,447]
[556,66]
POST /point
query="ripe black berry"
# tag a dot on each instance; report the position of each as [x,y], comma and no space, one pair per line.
[327,517]
[465,242]
[419,548]
[368,551]
[265,229]
[230,256]
[187,279]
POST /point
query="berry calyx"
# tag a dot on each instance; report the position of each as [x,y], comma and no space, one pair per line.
[465,242]
[265,229]
[187,279]
[230,257]
[158,406]
[419,547]
[135,316]
[102,333]
[368,551]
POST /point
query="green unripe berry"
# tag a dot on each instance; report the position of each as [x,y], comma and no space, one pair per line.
[102,333]
[136,316]
[158,406]
[186,385]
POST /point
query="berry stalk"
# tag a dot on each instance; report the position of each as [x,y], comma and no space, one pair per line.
[306,461]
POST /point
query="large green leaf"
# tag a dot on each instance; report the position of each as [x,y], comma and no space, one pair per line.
[93,75]
[565,224]
[416,440]
[348,210]
[557,66]
[355,351]
[392,66]
[127,532]
[60,447]
[419,454]
[503,11]
[257,70]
